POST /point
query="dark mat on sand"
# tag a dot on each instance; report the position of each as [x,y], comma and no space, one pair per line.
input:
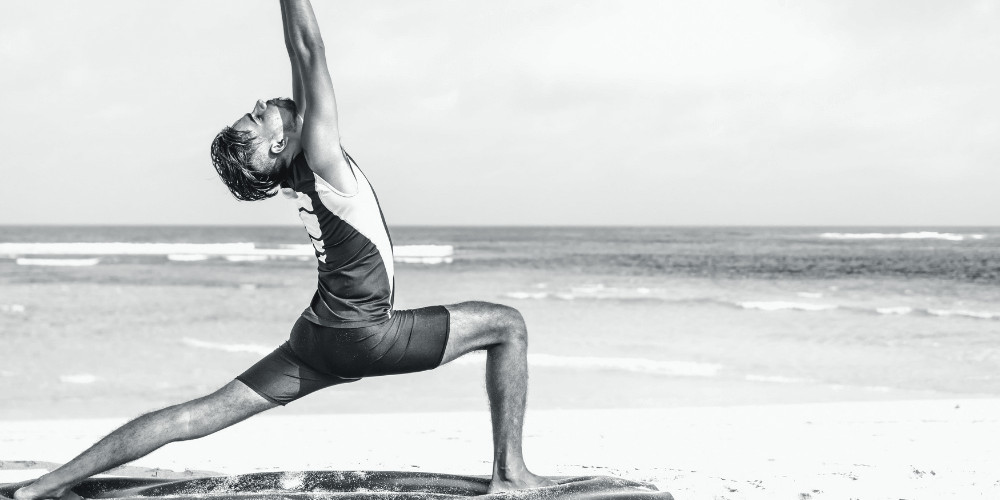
[358,485]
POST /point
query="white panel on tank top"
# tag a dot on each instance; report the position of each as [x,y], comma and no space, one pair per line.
[361,211]
[311,223]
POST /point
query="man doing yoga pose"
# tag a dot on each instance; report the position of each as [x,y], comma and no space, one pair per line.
[349,330]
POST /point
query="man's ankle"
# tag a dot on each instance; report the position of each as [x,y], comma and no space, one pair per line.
[504,471]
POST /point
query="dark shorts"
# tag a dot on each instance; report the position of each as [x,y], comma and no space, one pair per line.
[315,357]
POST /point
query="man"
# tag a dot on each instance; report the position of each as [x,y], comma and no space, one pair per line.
[349,330]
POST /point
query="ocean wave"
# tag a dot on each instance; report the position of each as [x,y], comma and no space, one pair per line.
[25,261]
[921,235]
[237,252]
[595,291]
[423,254]
[246,258]
[12,308]
[423,250]
[900,310]
[120,248]
[776,379]
[632,365]
[781,305]
[964,313]
[526,295]
[409,254]
[601,292]
[422,260]
[250,348]
[877,388]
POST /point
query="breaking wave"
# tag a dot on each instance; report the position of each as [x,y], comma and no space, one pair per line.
[781,306]
[776,379]
[633,365]
[964,313]
[12,308]
[896,310]
[25,261]
[921,235]
[194,252]
[250,348]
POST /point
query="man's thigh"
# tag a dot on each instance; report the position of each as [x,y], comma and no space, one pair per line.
[477,325]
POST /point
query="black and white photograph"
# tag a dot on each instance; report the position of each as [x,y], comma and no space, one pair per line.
[538,249]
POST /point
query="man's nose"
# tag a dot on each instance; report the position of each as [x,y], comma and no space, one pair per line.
[261,105]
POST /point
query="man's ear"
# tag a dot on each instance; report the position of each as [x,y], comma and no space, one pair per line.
[278,146]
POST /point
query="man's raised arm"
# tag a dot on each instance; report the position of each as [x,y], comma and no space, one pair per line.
[320,133]
[298,95]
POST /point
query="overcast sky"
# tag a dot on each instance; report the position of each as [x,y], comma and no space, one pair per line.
[520,111]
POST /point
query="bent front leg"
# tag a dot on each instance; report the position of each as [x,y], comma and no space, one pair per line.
[501,331]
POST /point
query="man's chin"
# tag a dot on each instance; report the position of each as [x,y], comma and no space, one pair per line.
[284,102]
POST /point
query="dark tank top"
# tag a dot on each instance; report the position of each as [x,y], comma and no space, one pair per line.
[353,248]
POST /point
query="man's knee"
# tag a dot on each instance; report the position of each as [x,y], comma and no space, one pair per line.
[507,322]
[172,422]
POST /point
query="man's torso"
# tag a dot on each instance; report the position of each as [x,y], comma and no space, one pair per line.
[352,245]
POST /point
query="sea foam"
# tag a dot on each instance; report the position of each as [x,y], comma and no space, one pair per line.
[964,313]
[526,295]
[251,348]
[119,248]
[423,254]
[776,379]
[12,308]
[236,252]
[633,365]
[25,261]
[894,310]
[246,258]
[921,235]
[595,291]
[781,305]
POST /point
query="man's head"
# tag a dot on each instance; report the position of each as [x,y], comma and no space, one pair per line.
[253,154]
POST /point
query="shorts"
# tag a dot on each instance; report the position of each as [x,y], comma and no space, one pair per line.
[316,357]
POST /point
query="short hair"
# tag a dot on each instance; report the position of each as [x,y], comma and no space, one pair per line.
[233,154]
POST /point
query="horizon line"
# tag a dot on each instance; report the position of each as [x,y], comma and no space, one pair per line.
[238,225]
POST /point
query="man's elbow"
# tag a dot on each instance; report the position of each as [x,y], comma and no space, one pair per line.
[307,47]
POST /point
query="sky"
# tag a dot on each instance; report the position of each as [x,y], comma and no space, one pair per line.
[522,112]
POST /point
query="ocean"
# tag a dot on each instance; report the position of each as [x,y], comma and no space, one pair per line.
[113,321]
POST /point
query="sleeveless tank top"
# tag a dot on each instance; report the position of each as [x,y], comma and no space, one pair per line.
[353,248]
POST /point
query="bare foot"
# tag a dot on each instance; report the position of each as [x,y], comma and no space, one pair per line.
[522,481]
[33,492]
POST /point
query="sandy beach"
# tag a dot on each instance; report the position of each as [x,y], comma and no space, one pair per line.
[873,450]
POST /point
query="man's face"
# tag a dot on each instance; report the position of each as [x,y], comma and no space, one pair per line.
[269,119]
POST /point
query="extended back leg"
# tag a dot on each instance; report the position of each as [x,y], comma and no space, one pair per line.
[196,418]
